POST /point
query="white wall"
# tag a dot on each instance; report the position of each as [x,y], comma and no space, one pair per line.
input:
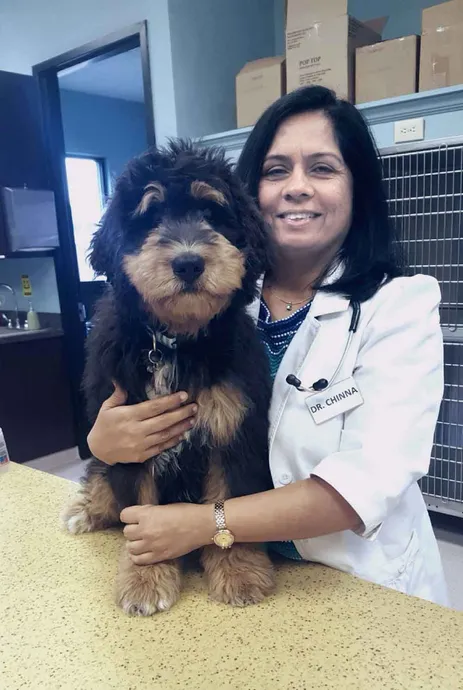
[41,272]
[32,31]
[211,41]
[196,48]
[279,14]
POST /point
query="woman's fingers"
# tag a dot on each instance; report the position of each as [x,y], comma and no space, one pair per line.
[169,424]
[167,420]
[117,398]
[131,531]
[136,548]
[158,406]
[158,448]
[143,559]
[134,433]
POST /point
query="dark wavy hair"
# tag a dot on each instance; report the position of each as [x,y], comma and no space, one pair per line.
[370,252]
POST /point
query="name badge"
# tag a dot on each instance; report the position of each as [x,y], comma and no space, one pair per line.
[337,399]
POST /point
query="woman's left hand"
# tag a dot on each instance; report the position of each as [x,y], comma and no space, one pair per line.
[160,533]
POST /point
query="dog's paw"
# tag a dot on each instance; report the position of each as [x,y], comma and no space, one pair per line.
[146,603]
[239,577]
[243,589]
[75,519]
[146,589]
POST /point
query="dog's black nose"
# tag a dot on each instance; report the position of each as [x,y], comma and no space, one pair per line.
[188,267]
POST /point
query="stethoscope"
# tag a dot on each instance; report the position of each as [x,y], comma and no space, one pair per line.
[321,384]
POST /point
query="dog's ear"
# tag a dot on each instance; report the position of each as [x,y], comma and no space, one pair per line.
[106,243]
[202,190]
[260,258]
[154,193]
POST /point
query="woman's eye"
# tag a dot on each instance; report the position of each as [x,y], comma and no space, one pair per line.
[274,172]
[322,169]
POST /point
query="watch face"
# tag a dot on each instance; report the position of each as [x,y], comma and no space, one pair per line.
[224,538]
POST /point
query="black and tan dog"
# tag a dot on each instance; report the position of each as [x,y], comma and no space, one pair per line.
[182,246]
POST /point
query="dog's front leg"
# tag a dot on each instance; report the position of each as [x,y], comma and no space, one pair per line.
[145,589]
[94,507]
[142,590]
[241,575]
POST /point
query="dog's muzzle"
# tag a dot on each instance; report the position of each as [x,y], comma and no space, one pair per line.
[188,267]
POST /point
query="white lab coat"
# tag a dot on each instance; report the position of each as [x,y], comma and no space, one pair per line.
[372,455]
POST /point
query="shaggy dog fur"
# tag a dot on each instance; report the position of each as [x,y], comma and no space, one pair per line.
[182,246]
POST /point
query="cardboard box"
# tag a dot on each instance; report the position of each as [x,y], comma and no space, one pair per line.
[258,85]
[387,69]
[320,44]
[441,60]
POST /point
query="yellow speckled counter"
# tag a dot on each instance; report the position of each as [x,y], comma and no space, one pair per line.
[59,627]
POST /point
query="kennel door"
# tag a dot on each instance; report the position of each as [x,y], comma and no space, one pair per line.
[425,192]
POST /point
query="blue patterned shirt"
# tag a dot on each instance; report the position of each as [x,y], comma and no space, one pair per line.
[277,336]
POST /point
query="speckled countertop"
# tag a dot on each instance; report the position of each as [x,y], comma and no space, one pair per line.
[11,335]
[322,629]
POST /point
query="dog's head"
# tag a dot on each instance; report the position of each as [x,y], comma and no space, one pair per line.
[184,233]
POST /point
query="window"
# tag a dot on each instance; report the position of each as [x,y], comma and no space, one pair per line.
[86,187]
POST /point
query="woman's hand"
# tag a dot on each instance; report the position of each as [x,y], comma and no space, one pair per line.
[135,433]
[160,533]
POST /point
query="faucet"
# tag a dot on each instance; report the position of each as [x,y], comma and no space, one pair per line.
[12,290]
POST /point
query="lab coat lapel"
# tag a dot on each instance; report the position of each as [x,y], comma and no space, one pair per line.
[314,352]
[324,353]
[316,347]
[325,303]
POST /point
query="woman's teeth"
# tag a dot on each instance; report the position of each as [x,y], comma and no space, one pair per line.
[299,216]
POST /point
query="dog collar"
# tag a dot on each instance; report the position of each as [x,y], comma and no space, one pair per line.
[162,344]
[163,340]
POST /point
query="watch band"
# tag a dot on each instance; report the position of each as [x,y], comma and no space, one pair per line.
[223,538]
[219,514]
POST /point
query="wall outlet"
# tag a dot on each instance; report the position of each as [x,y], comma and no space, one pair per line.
[409,130]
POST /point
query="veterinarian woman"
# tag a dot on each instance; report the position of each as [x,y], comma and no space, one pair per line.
[352,430]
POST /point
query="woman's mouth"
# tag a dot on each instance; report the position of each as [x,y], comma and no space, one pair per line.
[298,217]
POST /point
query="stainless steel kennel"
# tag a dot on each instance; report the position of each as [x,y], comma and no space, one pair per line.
[425,190]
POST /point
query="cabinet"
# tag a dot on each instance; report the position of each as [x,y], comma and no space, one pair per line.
[23,161]
[35,400]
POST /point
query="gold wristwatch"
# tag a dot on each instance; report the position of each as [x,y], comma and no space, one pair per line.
[223,537]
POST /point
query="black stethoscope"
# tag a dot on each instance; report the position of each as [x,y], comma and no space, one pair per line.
[321,384]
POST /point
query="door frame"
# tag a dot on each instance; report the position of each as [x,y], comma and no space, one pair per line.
[67,273]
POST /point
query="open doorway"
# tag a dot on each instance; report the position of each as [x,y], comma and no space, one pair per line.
[98,113]
[103,115]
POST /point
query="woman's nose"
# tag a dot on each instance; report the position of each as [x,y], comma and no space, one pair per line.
[298,188]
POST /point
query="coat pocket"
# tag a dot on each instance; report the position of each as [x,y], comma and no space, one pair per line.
[401,568]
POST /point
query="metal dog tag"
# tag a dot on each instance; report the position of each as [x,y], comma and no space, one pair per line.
[154,358]
[337,399]
[155,361]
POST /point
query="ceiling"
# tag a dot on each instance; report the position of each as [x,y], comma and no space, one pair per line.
[115,77]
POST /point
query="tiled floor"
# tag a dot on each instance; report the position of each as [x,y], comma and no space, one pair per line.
[448,530]
[65,464]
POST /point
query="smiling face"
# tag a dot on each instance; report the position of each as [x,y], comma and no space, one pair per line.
[305,191]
